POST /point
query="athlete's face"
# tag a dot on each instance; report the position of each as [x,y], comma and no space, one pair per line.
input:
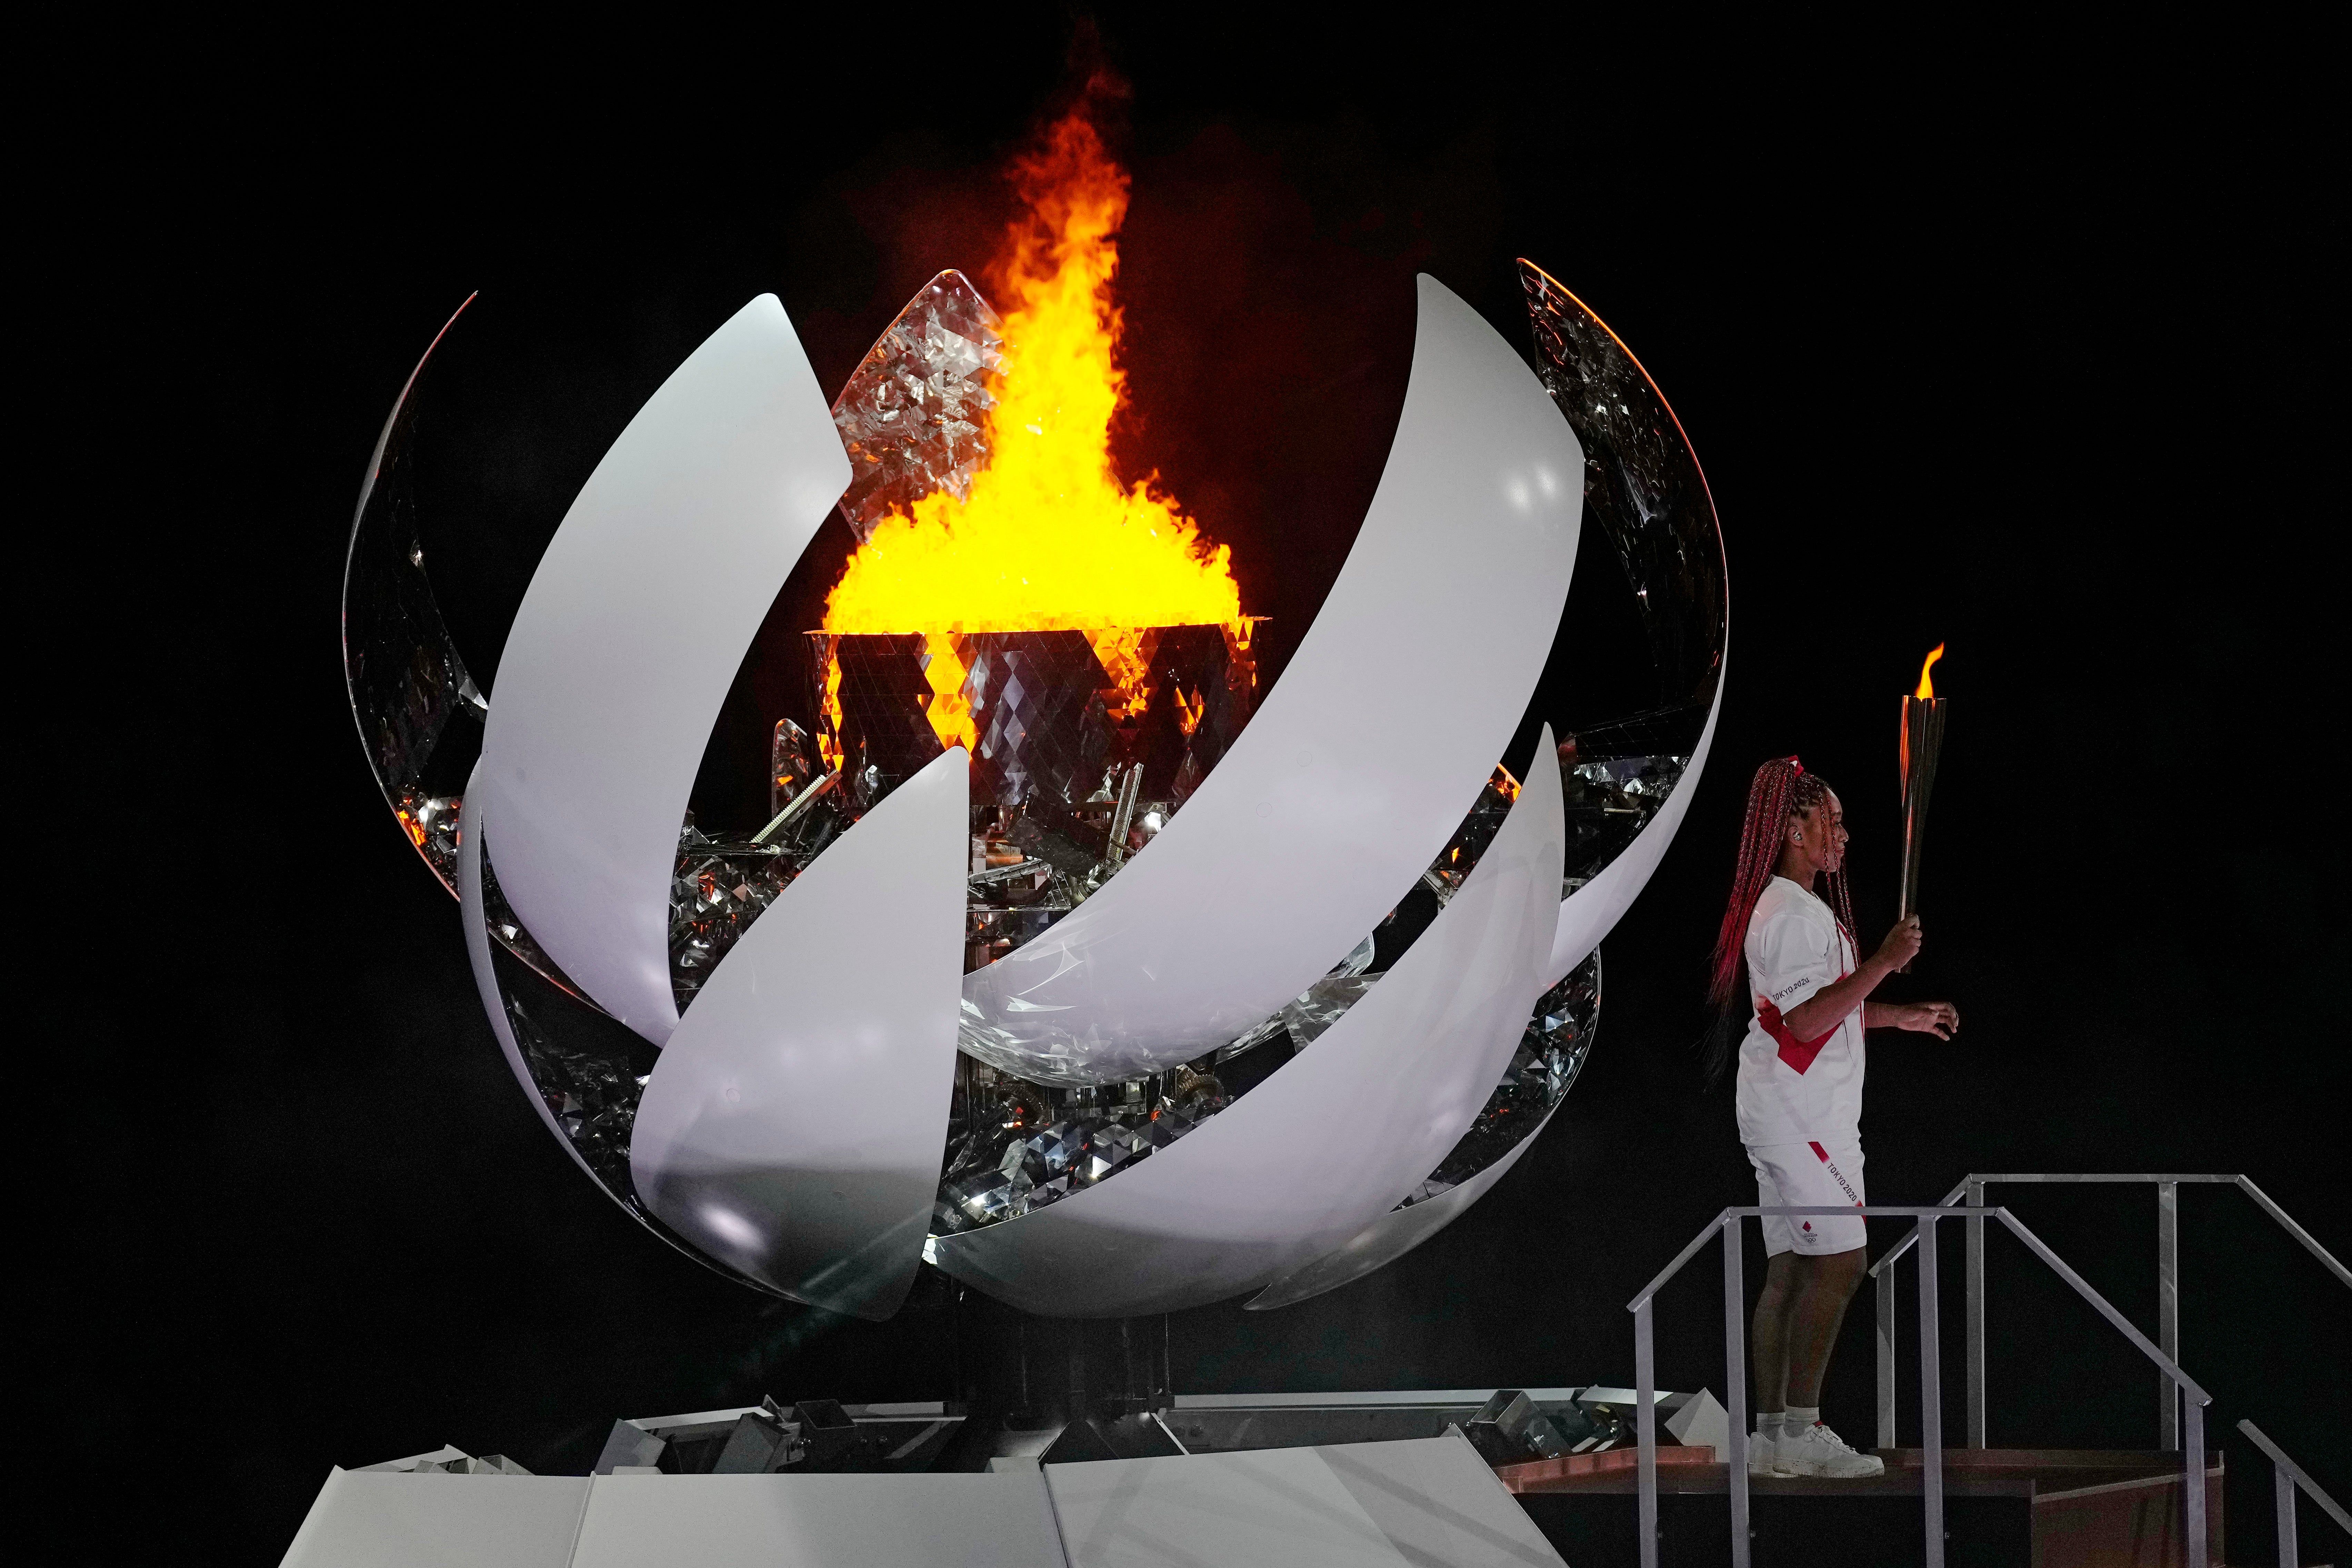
[1820,834]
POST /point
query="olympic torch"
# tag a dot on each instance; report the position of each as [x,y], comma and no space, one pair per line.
[1921,742]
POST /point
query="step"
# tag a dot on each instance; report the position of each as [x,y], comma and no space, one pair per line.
[2055,1507]
[1978,1472]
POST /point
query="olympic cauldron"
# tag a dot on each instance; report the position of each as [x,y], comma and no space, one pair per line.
[1239,1008]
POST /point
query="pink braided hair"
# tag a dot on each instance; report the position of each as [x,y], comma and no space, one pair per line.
[1780,789]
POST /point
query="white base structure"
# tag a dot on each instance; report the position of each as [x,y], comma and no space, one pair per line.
[1358,1505]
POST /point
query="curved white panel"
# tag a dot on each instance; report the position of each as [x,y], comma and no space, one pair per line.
[793,1124]
[1391,1236]
[1333,1139]
[472,812]
[1591,912]
[632,630]
[1298,843]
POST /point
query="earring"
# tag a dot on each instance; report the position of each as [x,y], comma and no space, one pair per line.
[1799,835]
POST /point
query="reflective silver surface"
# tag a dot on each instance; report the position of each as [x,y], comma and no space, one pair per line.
[419,710]
[409,690]
[1643,487]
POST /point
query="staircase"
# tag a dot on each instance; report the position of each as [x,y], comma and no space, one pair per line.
[1974,1504]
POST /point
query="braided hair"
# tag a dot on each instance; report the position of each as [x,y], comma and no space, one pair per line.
[1781,790]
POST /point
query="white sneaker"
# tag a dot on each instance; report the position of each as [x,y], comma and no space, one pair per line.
[1815,1450]
[1761,1459]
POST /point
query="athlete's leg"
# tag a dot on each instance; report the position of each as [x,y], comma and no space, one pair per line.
[1822,1287]
[1769,1330]
[1768,1333]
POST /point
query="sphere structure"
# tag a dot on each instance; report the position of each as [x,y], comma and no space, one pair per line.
[1096,1049]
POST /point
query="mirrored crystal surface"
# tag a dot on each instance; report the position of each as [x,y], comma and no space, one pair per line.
[791,765]
[1321,1004]
[1048,714]
[1014,1145]
[592,1094]
[1459,858]
[418,711]
[913,418]
[1607,801]
[1643,486]
[719,887]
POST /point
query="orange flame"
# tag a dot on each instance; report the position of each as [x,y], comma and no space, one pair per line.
[1927,691]
[1050,537]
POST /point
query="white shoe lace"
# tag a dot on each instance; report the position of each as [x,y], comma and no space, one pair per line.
[1819,1432]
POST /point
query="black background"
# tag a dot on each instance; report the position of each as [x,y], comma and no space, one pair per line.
[2012,347]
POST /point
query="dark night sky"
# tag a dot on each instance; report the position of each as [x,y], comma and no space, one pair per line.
[1968,359]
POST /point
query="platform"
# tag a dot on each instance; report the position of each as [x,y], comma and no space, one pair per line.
[2050,1508]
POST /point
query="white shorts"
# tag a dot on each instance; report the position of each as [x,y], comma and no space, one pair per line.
[1806,1175]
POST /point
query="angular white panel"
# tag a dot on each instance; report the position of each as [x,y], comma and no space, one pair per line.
[631,632]
[363,1519]
[1333,1139]
[1589,912]
[1266,1507]
[1296,843]
[1391,1236]
[819,1521]
[1412,1504]
[793,1124]
[1438,1501]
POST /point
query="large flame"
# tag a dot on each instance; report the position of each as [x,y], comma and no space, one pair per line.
[1927,692]
[1050,538]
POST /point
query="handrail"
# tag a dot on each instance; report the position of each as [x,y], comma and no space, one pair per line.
[2297,1232]
[2164,1363]
[2285,1476]
[1727,1225]
[2245,1184]
[2167,1281]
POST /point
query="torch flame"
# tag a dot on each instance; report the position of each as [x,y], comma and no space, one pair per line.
[1049,538]
[1927,692]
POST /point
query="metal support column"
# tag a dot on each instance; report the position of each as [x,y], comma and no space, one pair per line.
[2194,1490]
[2286,1477]
[1645,1425]
[2168,1305]
[1886,1356]
[2290,1555]
[1931,1397]
[1976,1372]
[1735,1379]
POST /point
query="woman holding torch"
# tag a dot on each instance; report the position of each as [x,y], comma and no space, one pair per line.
[1799,1092]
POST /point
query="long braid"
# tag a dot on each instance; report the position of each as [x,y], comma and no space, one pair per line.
[1841,905]
[1780,789]
[1769,804]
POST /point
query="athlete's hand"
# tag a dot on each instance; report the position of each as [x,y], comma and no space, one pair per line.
[1941,1020]
[1902,945]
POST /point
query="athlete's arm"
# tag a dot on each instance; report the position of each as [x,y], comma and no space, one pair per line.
[1941,1020]
[1827,1008]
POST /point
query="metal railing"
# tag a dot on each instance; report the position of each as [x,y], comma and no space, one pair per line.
[2168,1287]
[2285,1476]
[1735,1343]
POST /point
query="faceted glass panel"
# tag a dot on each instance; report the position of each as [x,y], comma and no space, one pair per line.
[912,417]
